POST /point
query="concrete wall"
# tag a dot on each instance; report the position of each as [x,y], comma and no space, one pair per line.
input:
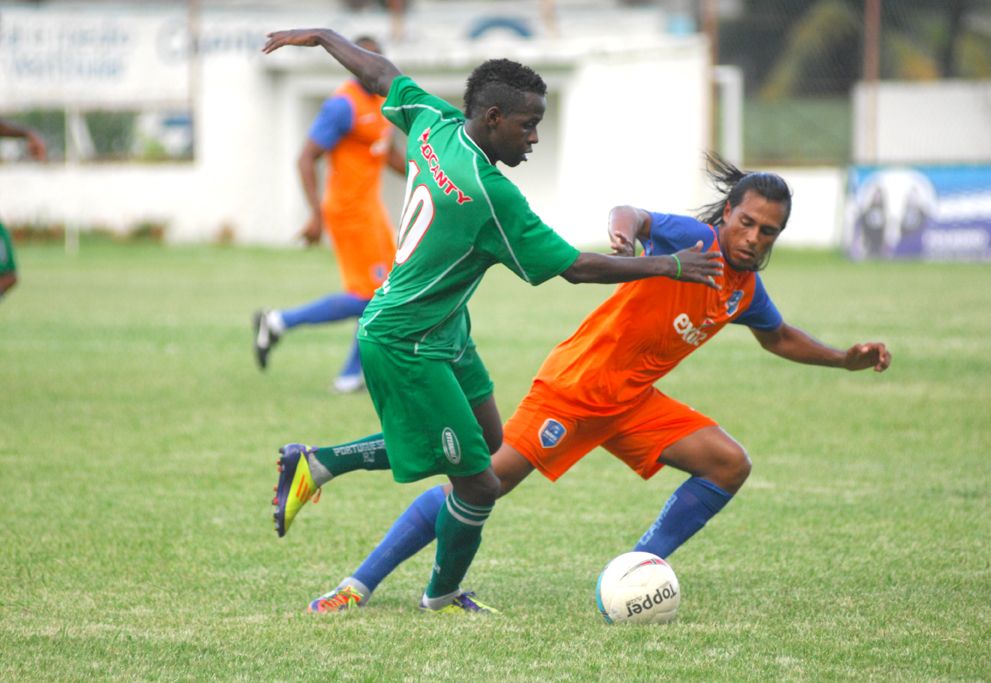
[626,122]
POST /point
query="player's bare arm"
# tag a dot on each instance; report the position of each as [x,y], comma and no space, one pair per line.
[795,345]
[626,224]
[690,265]
[306,163]
[374,71]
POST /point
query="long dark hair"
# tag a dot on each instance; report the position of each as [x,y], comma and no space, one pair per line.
[733,184]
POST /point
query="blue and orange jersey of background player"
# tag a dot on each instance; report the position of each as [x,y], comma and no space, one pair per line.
[351,128]
[647,327]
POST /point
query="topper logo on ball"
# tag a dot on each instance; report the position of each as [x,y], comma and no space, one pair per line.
[665,592]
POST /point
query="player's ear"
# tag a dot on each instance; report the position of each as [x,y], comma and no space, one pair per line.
[493,115]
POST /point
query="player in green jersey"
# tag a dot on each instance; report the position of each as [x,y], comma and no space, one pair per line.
[36,149]
[460,216]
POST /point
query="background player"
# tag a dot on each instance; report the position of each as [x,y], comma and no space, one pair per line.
[355,139]
[596,387]
[36,148]
[461,216]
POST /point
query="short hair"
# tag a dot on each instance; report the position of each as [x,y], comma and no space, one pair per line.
[502,83]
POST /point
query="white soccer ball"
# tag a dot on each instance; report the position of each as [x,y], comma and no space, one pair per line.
[638,588]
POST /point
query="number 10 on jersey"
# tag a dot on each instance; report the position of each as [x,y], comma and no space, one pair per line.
[418,214]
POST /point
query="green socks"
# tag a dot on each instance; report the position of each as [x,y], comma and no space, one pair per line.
[363,454]
[459,533]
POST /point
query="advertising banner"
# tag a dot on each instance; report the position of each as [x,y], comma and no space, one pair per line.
[920,212]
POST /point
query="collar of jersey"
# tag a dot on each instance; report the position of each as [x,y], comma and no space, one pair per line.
[474,145]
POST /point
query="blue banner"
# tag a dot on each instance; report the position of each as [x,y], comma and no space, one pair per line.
[923,212]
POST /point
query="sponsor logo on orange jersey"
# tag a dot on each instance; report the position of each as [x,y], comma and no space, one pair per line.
[687,330]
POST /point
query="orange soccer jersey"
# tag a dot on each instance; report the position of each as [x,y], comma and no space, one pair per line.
[596,387]
[637,336]
[353,213]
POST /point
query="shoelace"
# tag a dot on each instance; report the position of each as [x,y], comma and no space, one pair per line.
[470,604]
[341,599]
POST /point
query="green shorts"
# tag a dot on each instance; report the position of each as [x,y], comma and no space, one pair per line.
[7,264]
[425,407]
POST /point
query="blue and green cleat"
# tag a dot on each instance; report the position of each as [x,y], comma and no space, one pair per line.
[464,603]
[295,487]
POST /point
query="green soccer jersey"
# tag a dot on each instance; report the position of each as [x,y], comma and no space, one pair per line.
[460,216]
[7,264]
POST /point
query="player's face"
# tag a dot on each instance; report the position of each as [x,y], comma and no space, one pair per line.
[749,230]
[514,135]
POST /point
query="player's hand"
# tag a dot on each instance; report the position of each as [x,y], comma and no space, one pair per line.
[311,232]
[699,266]
[36,146]
[621,244]
[870,355]
[303,37]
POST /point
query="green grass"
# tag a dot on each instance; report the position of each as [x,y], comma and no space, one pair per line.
[137,449]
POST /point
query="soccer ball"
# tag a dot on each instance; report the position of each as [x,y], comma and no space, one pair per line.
[638,588]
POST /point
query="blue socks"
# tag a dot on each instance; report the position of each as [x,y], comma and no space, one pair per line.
[352,366]
[409,534]
[693,504]
[328,309]
[688,509]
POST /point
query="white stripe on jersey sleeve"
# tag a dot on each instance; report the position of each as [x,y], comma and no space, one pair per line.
[478,178]
[421,106]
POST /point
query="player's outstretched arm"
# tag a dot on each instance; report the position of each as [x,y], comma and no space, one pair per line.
[690,265]
[372,69]
[795,345]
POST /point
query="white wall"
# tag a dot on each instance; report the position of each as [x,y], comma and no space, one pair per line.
[626,115]
[633,133]
[626,122]
[627,119]
[816,208]
[935,122]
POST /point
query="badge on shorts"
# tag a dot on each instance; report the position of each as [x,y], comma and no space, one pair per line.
[551,433]
[452,449]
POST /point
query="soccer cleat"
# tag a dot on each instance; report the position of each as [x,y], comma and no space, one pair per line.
[265,338]
[348,384]
[466,602]
[295,487]
[338,600]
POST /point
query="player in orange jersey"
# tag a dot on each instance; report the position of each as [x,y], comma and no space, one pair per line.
[596,388]
[354,138]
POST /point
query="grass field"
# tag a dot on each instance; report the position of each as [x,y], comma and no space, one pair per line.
[138,445]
